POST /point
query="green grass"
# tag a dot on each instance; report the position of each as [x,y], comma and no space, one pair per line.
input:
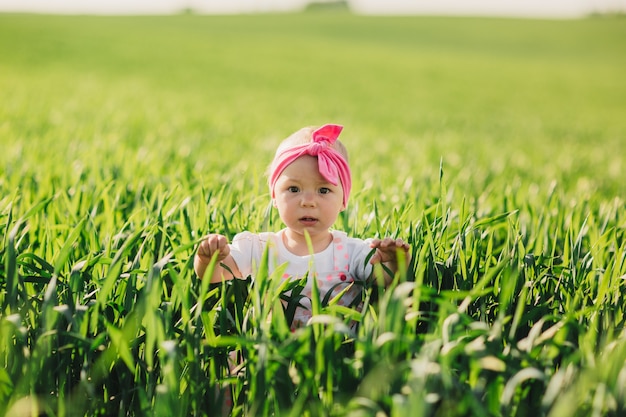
[495,146]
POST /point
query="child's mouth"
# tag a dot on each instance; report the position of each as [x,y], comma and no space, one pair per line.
[308,220]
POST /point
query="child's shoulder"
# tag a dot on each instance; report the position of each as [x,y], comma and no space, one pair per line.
[339,235]
[262,237]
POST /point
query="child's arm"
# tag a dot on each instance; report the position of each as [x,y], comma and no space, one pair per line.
[386,253]
[208,247]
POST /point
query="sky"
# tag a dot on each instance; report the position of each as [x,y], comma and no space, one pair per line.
[548,8]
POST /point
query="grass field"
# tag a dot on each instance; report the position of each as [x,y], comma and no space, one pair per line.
[494,146]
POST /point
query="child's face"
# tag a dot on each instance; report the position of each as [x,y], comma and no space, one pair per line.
[306,200]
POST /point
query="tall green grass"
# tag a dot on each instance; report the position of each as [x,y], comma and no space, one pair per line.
[494,146]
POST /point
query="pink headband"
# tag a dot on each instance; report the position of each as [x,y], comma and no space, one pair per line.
[332,166]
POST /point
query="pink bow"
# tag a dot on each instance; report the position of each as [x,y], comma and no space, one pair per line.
[332,165]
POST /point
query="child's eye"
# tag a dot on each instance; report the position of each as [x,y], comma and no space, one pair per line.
[293,189]
[324,190]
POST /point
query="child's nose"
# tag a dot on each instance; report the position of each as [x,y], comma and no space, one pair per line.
[308,199]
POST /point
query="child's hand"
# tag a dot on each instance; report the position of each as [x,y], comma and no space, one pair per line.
[213,243]
[386,250]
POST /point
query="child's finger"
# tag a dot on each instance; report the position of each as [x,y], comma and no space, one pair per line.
[376,258]
[204,248]
[222,246]
[402,244]
[214,243]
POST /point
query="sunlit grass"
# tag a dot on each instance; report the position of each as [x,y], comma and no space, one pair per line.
[494,146]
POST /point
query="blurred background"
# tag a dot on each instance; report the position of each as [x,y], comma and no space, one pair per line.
[528,8]
[536,99]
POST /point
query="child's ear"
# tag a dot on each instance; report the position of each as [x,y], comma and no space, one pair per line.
[274,202]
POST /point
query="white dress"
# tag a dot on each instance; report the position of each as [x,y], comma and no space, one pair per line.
[345,260]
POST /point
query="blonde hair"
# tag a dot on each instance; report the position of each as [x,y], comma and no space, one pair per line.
[303,136]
